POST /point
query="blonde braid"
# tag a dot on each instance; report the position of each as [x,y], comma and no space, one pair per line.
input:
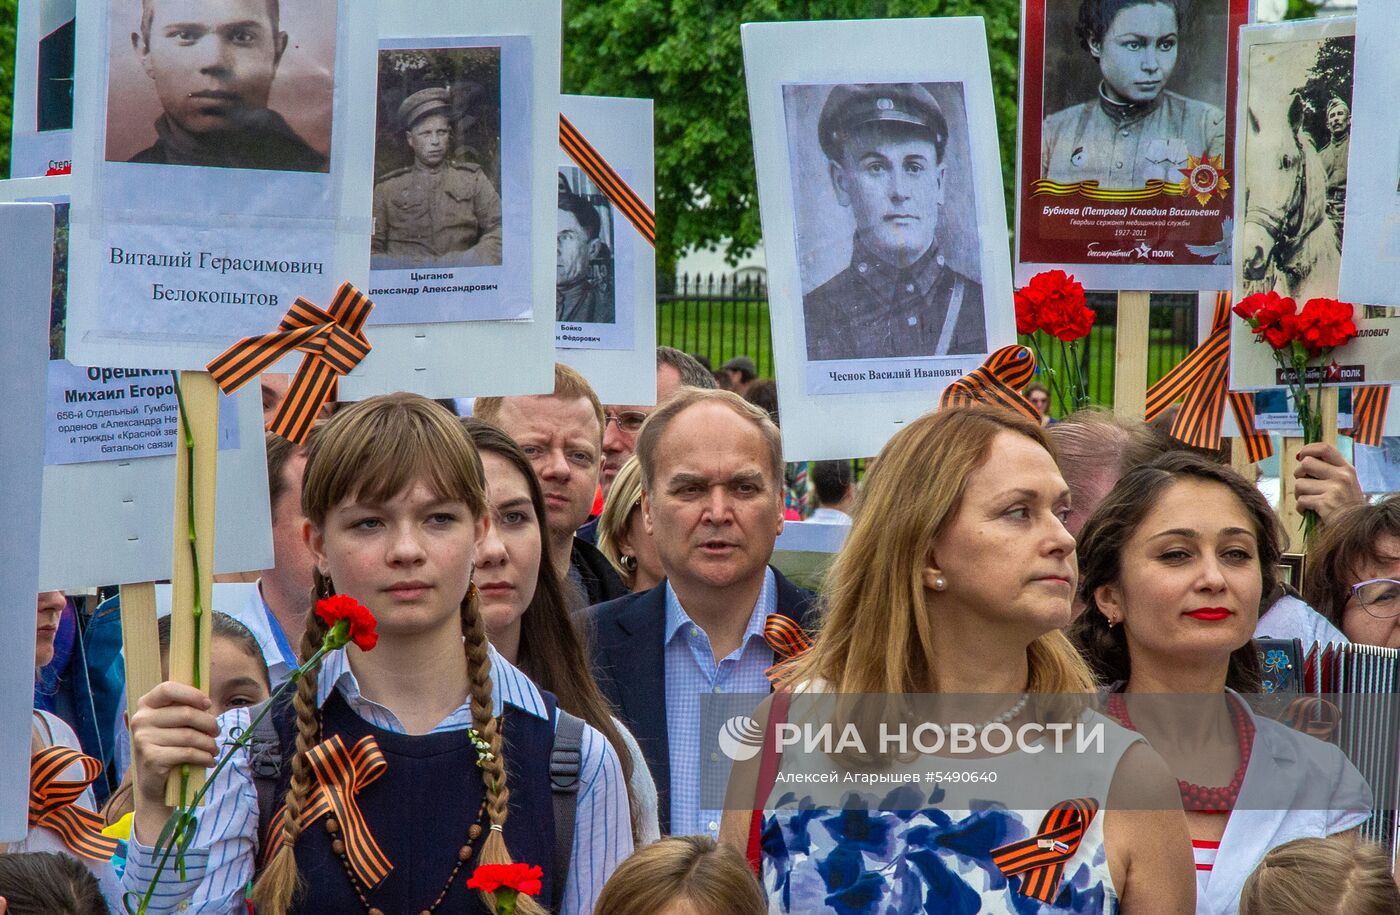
[279,882]
[493,849]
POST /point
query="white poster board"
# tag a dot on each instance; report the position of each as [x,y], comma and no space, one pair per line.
[41,133]
[206,199]
[616,351]
[865,339]
[497,357]
[26,238]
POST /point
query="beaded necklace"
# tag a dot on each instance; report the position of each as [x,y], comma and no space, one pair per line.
[1200,798]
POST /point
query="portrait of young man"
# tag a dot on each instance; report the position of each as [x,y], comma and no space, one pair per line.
[886,146]
[213,65]
[584,288]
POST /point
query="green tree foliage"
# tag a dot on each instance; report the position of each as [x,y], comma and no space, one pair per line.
[9,10]
[686,55]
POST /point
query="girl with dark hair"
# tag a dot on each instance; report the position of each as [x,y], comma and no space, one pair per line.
[1174,564]
[396,513]
[527,618]
[1134,130]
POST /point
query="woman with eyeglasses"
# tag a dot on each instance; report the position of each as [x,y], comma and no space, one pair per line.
[1352,573]
[621,535]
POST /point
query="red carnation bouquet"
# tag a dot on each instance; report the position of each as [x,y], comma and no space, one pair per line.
[507,882]
[1051,309]
[1302,342]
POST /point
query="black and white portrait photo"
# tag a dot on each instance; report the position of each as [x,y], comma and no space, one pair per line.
[886,226]
[437,199]
[585,281]
[57,31]
[1132,89]
[222,83]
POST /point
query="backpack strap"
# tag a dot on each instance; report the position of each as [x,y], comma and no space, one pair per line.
[265,757]
[565,761]
[767,777]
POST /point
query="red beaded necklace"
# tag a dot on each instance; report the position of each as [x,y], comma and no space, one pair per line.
[1200,798]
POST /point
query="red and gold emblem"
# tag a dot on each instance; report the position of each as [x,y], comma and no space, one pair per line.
[1205,177]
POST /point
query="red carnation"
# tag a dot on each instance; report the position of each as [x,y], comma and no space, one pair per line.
[1324,324]
[1053,302]
[358,622]
[1029,301]
[523,878]
[1273,317]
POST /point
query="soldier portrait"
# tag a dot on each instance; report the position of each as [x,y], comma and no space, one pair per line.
[223,84]
[895,202]
[54,103]
[584,283]
[1133,90]
[437,163]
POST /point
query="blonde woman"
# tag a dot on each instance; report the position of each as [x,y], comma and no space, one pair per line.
[396,509]
[956,579]
[621,535]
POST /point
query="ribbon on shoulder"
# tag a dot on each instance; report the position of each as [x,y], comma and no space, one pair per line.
[1040,860]
[334,343]
[53,802]
[618,192]
[996,382]
[787,639]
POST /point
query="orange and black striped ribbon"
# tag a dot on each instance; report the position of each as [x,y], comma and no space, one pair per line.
[1201,382]
[996,382]
[618,192]
[340,775]
[1040,860]
[1313,716]
[53,802]
[1368,406]
[333,341]
[787,639]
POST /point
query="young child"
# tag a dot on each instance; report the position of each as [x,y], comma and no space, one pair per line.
[683,875]
[45,883]
[1338,875]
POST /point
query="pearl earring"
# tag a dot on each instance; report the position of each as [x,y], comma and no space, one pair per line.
[940,583]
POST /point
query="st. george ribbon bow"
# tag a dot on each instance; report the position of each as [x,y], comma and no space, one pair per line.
[341,774]
[607,180]
[333,341]
[996,382]
[1040,860]
[1202,382]
[53,802]
[787,639]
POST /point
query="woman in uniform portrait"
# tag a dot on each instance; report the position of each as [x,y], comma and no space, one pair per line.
[1135,129]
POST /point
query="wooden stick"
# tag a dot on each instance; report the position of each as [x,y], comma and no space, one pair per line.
[1239,458]
[140,642]
[1130,355]
[201,405]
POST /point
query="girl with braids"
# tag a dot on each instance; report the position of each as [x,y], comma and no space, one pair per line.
[396,510]
[527,618]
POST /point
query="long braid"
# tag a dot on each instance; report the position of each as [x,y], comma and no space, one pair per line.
[493,849]
[279,882]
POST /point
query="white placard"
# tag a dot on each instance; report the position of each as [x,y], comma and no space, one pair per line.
[206,199]
[26,238]
[41,133]
[616,352]
[855,363]
[482,358]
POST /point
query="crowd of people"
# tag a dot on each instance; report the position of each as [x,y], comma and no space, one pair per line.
[536,692]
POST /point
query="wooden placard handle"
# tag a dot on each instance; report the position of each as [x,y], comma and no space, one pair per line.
[1130,355]
[200,397]
[140,641]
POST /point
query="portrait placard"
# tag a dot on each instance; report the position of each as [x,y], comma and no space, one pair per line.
[207,198]
[1123,165]
[26,234]
[451,181]
[41,132]
[605,316]
[481,358]
[1291,162]
[881,199]
[1371,258]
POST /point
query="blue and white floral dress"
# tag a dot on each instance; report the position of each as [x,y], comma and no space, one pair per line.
[893,860]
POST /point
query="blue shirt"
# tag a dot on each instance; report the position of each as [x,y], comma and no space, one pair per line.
[690,672]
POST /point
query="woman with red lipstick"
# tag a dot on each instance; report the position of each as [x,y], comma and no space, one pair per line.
[49,732]
[527,619]
[1174,563]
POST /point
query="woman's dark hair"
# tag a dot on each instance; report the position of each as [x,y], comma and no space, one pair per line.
[552,652]
[763,394]
[1095,16]
[1112,525]
[47,883]
[1347,542]
[223,627]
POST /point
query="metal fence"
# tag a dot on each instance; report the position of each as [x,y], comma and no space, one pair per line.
[720,317]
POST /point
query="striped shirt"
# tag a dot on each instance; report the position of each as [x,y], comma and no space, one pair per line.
[220,862]
[691,672]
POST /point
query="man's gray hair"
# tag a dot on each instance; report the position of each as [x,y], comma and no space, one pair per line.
[649,439]
[692,373]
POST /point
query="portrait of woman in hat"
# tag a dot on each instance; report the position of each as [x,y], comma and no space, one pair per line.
[1135,129]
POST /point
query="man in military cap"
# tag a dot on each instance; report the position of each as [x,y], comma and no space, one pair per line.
[580,297]
[436,212]
[213,63]
[898,297]
[1334,159]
